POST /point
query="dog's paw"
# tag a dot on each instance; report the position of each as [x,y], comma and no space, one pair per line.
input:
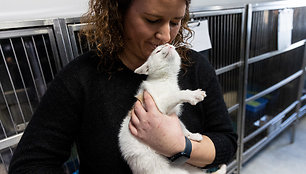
[197,96]
[222,170]
[195,137]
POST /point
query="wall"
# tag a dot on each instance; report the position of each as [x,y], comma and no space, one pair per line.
[12,10]
[225,2]
[17,10]
[199,5]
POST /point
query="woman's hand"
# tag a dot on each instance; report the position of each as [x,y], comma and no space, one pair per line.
[161,132]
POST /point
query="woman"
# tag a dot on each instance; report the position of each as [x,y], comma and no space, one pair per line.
[89,98]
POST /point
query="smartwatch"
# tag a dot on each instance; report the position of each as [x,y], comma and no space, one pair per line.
[181,157]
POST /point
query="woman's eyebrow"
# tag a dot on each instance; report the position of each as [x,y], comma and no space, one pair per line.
[157,16]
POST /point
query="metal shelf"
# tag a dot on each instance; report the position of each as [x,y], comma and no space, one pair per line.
[275,119]
[262,143]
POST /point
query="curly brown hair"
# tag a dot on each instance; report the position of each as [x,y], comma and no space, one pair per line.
[105,30]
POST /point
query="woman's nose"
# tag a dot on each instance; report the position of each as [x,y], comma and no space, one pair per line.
[163,34]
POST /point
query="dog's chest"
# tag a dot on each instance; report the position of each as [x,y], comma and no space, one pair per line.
[162,92]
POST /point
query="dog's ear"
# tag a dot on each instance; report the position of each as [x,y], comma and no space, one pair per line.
[143,69]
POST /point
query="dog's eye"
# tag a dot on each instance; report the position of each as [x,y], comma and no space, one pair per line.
[158,51]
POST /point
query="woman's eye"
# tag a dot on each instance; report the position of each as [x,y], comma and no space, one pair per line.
[152,21]
[174,23]
[158,20]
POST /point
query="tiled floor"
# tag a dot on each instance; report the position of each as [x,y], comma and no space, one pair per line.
[280,156]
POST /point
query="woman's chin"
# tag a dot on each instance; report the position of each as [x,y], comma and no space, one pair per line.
[147,53]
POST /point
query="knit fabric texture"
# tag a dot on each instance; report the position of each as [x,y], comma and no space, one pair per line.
[85,106]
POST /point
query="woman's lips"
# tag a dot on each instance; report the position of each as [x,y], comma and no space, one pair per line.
[153,46]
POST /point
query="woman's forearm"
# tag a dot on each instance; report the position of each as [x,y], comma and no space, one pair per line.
[203,153]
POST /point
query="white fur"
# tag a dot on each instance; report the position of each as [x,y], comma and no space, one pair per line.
[162,68]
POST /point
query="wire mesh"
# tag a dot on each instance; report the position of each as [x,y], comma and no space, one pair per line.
[277,101]
[27,65]
[82,43]
[225,36]
[299,24]
[229,82]
[266,73]
[5,158]
[263,32]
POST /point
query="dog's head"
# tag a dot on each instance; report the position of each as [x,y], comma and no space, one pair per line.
[163,60]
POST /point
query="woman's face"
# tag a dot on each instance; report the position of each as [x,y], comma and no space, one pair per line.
[149,23]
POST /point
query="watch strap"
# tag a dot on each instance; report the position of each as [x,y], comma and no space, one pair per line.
[183,156]
[188,147]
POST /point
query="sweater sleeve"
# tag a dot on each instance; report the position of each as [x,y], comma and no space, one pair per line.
[48,138]
[217,123]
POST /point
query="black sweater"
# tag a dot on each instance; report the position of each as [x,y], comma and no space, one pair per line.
[86,106]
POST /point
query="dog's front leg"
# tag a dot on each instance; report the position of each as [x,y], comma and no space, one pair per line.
[192,136]
[192,97]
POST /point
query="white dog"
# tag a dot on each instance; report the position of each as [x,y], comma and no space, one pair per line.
[162,68]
